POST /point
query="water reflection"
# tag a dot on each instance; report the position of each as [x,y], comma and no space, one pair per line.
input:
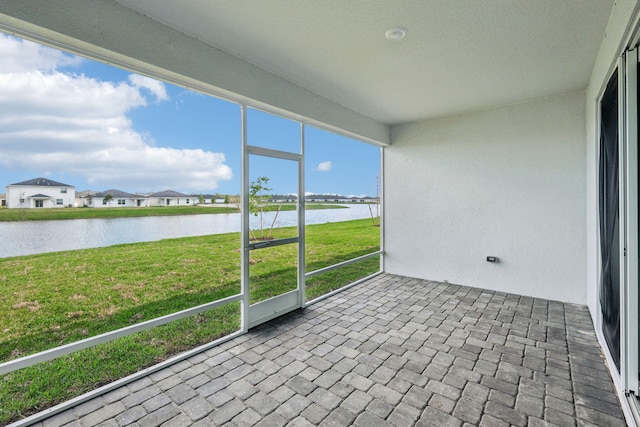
[33,237]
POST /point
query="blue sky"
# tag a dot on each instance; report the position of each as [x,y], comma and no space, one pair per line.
[98,127]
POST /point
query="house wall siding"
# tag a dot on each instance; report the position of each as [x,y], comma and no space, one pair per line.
[173,201]
[128,203]
[507,182]
[17,192]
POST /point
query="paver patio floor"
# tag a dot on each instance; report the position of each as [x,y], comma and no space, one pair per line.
[390,351]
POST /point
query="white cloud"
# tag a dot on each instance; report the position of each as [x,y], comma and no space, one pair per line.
[324,166]
[20,56]
[155,169]
[57,122]
[156,87]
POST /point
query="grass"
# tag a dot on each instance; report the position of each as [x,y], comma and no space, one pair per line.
[57,298]
[36,388]
[335,279]
[116,212]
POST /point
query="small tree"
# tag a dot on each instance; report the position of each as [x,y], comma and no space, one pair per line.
[201,199]
[108,198]
[259,204]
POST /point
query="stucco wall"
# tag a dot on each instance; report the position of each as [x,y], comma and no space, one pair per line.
[507,182]
[17,192]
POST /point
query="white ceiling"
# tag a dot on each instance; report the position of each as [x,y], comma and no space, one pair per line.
[458,56]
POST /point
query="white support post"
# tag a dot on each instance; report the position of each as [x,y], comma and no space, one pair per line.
[381,205]
[244,230]
[301,221]
[622,217]
[630,167]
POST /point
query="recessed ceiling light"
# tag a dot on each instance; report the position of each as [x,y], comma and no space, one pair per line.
[396,33]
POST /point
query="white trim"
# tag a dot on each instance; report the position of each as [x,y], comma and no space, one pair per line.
[272,243]
[244,231]
[629,165]
[275,154]
[344,288]
[615,377]
[302,222]
[632,32]
[631,35]
[634,406]
[342,264]
[621,214]
[273,307]
[382,205]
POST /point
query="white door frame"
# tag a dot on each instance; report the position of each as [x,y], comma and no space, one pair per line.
[629,221]
[255,314]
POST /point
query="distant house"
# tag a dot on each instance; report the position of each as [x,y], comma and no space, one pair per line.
[82,197]
[171,198]
[207,199]
[3,200]
[326,198]
[117,198]
[40,193]
[201,199]
[365,199]
[322,198]
[290,198]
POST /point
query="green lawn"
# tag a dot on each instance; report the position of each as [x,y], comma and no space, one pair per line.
[57,298]
[116,212]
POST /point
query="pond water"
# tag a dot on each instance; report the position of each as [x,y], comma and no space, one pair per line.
[33,237]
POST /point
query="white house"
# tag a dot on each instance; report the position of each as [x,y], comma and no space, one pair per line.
[291,198]
[40,193]
[365,199]
[207,199]
[172,198]
[327,198]
[113,197]
[82,199]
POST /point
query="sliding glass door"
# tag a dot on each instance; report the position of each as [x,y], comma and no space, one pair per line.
[618,220]
[609,218]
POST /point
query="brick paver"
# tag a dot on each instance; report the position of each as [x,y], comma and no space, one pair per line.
[393,351]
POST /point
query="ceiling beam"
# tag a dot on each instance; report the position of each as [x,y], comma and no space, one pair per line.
[114,34]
